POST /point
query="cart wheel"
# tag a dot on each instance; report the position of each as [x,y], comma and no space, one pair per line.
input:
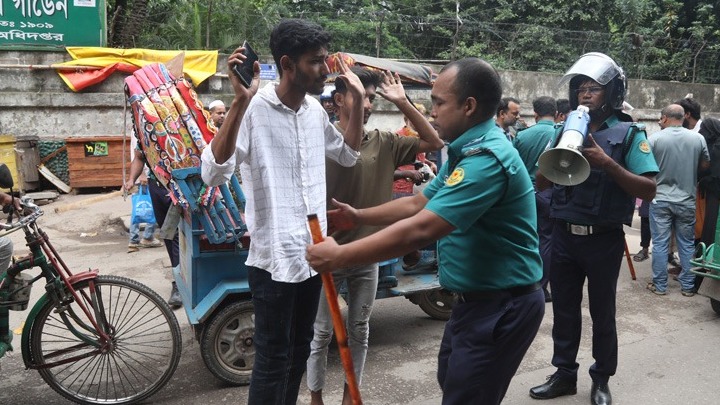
[227,343]
[436,303]
[715,305]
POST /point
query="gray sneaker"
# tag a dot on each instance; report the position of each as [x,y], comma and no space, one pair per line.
[175,301]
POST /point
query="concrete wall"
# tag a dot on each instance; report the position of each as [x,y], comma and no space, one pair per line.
[36,102]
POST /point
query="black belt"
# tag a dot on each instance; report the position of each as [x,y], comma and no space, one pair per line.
[584,230]
[513,292]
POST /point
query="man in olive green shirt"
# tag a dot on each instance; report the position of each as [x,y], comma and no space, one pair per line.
[366,184]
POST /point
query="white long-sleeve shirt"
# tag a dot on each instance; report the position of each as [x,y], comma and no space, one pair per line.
[282,162]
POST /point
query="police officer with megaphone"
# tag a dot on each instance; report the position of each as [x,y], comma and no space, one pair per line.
[588,238]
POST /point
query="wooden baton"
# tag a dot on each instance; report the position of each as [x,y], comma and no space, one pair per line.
[338,323]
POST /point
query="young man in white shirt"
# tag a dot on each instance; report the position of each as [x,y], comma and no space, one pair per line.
[280,139]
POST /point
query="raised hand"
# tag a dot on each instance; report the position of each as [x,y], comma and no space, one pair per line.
[352,82]
[391,88]
[241,91]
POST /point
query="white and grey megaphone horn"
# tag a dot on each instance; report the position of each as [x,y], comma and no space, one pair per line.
[564,164]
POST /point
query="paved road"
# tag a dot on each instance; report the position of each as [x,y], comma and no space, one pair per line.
[669,350]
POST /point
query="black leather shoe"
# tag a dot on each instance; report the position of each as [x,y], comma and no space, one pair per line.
[175,301]
[600,394]
[555,386]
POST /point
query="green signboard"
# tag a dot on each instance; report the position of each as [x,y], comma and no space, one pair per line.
[51,24]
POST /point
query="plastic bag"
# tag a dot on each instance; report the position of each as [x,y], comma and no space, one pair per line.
[142,209]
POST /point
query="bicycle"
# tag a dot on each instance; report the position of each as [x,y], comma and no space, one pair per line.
[94,339]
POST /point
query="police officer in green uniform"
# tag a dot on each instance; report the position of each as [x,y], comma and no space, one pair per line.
[481,209]
[588,241]
[530,144]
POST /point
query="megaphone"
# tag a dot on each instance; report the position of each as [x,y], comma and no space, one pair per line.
[564,164]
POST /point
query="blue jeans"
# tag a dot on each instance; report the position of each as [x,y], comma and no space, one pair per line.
[663,217]
[284,317]
[148,233]
[362,284]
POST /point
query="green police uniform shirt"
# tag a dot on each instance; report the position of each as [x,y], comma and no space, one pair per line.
[488,197]
[532,142]
[639,158]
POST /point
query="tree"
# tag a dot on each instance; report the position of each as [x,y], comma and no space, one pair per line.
[652,39]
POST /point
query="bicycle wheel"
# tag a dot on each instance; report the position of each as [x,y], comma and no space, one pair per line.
[141,356]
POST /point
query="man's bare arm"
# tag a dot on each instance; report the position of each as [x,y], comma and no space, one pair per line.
[639,186]
[384,214]
[355,126]
[396,240]
[392,90]
[136,168]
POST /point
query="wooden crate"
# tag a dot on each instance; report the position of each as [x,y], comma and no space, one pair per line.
[97,161]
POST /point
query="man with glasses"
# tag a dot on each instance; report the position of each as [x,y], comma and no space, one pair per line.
[588,239]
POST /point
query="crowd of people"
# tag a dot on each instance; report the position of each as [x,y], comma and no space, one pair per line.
[508,239]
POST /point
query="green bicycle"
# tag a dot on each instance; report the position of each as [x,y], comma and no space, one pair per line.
[94,339]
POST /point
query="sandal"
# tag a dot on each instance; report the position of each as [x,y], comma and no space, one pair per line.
[641,256]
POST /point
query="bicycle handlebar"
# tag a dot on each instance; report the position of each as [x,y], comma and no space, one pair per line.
[26,203]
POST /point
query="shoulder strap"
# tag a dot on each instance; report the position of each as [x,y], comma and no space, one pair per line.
[634,129]
[477,150]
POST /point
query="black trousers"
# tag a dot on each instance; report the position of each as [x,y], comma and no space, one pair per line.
[545,226]
[483,344]
[161,204]
[576,258]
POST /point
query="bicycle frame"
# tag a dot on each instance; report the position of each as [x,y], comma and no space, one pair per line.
[59,289]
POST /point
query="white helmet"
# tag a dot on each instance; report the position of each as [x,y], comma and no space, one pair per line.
[601,68]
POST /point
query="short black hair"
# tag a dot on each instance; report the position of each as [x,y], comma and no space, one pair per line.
[477,78]
[505,104]
[690,106]
[367,78]
[563,106]
[293,37]
[545,106]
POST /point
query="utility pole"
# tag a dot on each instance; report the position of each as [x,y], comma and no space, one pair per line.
[378,33]
[207,28]
[458,23]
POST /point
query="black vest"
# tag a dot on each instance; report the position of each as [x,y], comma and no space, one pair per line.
[598,200]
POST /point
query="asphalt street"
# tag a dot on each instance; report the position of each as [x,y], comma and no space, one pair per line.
[669,345]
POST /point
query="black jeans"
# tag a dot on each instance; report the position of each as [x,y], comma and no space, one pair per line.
[284,317]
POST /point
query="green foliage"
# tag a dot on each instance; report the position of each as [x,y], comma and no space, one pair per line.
[652,39]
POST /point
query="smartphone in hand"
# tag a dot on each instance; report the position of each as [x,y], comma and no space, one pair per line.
[245,71]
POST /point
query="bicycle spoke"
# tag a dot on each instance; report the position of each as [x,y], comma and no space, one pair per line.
[138,359]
